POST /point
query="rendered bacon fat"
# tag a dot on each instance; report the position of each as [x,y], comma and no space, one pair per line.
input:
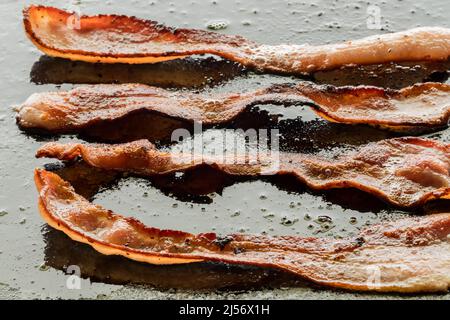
[423,105]
[114,39]
[409,255]
[404,171]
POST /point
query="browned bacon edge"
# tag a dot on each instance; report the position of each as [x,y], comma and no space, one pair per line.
[408,255]
[415,108]
[123,39]
[406,172]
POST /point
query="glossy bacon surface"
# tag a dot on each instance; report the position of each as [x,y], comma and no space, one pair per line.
[123,39]
[404,171]
[408,255]
[413,108]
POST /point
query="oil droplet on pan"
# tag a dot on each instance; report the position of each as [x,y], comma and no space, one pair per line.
[217,24]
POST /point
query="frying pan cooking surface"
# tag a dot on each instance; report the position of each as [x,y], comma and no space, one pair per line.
[35,257]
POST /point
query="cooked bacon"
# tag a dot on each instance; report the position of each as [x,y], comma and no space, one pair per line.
[408,255]
[413,108]
[114,39]
[403,171]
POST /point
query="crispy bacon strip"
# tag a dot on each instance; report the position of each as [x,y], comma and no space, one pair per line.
[113,39]
[422,105]
[409,255]
[404,171]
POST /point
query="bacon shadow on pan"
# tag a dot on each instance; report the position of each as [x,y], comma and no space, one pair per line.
[405,172]
[197,185]
[411,254]
[182,73]
[201,72]
[194,186]
[389,75]
[123,39]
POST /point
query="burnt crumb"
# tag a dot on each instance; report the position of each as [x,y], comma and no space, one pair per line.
[238,250]
[360,241]
[280,88]
[53,166]
[221,242]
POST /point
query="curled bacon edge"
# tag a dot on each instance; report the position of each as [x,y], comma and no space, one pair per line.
[407,255]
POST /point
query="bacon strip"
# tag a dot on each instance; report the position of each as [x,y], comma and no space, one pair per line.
[412,108]
[404,171]
[114,39]
[409,255]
